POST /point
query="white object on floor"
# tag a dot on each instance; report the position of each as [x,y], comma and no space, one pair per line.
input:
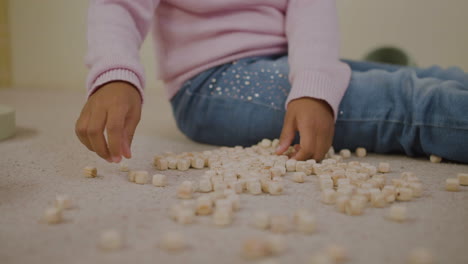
[7,122]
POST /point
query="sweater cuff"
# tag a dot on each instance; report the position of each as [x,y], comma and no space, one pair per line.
[320,85]
[117,75]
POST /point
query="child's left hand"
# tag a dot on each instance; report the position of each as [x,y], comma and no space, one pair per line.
[313,119]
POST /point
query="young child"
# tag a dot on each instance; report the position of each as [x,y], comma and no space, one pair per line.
[237,71]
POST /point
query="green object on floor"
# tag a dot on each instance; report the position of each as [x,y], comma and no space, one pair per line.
[390,55]
[7,122]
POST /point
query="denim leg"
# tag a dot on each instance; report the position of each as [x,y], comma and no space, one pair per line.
[386,108]
[398,111]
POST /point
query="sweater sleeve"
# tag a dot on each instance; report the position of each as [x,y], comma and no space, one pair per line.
[116,30]
[313,47]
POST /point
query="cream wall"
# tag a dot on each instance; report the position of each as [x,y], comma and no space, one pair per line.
[48,36]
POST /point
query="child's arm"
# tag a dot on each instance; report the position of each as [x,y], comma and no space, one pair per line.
[116,30]
[318,78]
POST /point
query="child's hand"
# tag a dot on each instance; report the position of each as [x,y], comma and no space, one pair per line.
[313,118]
[116,108]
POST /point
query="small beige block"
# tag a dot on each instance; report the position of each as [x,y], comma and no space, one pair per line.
[452,185]
[337,253]
[254,248]
[131,176]
[254,187]
[265,143]
[224,204]
[161,164]
[185,216]
[435,159]
[173,242]
[222,216]
[417,188]
[141,177]
[463,178]
[90,172]
[276,244]
[361,152]
[420,256]
[198,163]
[183,164]
[404,194]
[378,200]
[341,202]
[275,143]
[124,167]
[110,240]
[205,186]
[261,220]
[299,177]
[63,201]
[53,215]
[345,153]
[185,190]
[328,196]
[235,201]
[159,180]
[291,165]
[204,205]
[355,207]
[397,213]
[172,163]
[326,184]
[275,188]
[306,223]
[384,167]
[277,171]
[280,224]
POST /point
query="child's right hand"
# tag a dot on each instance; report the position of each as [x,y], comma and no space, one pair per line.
[116,108]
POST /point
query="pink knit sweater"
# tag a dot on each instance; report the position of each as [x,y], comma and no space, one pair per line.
[192,36]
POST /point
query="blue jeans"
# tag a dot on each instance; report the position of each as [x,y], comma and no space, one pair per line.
[386,108]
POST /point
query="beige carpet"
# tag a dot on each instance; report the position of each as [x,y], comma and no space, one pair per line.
[45,159]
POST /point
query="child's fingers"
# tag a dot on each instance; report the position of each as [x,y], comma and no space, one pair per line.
[95,133]
[115,128]
[287,135]
[323,142]
[307,145]
[125,146]
[131,124]
[81,129]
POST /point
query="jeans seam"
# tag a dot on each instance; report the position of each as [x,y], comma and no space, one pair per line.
[255,103]
[399,122]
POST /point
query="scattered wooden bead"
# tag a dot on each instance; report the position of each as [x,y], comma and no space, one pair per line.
[53,215]
[254,187]
[159,180]
[384,167]
[172,163]
[90,172]
[345,153]
[265,143]
[404,194]
[291,165]
[378,200]
[355,207]
[276,244]
[417,188]
[299,177]
[361,152]
[185,216]
[452,185]
[305,167]
[222,216]
[62,202]
[275,188]
[275,143]
[161,164]
[397,213]
[341,202]
[279,224]
[141,177]
[185,190]
[306,223]
[337,253]
[173,242]
[131,176]
[326,184]
[255,248]
[123,167]
[110,240]
[261,220]
[328,196]
[198,163]
[420,256]
[204,205]
[183,164]
[435,159]
[462,178]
